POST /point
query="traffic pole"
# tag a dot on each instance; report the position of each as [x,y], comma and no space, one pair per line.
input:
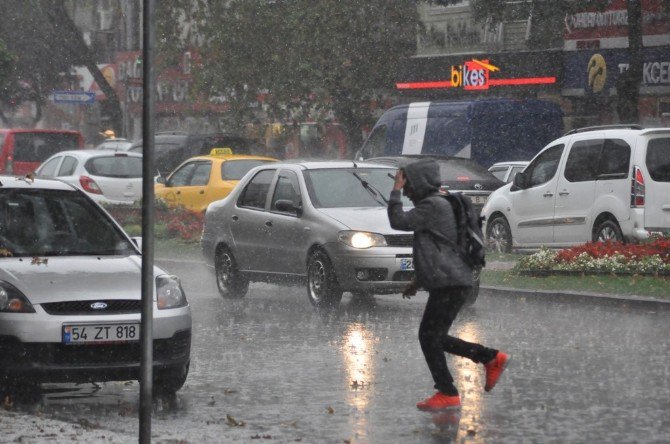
[146,329]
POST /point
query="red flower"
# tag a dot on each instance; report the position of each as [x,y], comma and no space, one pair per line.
[596,250]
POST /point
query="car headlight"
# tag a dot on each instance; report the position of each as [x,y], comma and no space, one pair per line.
[361,239]
[12,300]
[169,293]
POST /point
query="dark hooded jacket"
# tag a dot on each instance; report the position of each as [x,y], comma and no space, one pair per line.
[436,263]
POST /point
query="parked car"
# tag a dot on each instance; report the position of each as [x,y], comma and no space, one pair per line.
[23,150]
[458,175]
[105,176]
[174,147]
[506,171]
[594,184]
[116,144]
[70,293]
[203,179]
[322,223]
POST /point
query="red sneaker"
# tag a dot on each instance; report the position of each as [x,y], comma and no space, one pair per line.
[439,401]
[494,369]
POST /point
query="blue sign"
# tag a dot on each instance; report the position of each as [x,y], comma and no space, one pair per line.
[596,71]
[81,97]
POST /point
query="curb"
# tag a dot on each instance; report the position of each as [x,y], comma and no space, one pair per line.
[573,296]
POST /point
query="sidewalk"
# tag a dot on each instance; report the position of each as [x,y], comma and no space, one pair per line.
[28,428]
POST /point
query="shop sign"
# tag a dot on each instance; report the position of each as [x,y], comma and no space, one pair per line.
[596,72]
[609,27]
[475,75]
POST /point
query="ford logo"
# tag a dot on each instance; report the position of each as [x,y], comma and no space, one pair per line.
[478,186]
[99,305]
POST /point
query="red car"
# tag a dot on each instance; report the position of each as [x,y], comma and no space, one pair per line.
[23,150]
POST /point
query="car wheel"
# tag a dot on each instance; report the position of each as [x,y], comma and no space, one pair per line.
[169,382]
[229,280]
[499,235]
[607,231]
[322,287]
[476,278]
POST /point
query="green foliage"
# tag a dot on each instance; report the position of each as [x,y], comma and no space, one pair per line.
[7,61]
[309,54]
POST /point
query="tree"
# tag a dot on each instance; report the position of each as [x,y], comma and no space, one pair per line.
[548,29]
[46,44]
[315,54]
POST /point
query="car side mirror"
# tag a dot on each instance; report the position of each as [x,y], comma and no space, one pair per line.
[520,182]
[287,206]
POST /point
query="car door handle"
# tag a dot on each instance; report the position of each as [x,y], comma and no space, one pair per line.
[234,217]
[177,192]
[563,193]
[548,194]
[268,223]
[202,191]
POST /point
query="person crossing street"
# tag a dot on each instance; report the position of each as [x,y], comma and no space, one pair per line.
[444,274]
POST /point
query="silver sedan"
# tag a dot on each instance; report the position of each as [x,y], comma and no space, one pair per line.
[323,224]
[70,293]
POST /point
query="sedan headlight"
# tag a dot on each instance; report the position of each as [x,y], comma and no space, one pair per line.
[361,239]
[169,293]
[12,300]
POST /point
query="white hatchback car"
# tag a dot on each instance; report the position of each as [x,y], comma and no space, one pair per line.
[70,293]
[107,176]
[593,184]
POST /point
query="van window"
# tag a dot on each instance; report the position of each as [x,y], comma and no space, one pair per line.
[376,143]
[658,159]
[35,147]
[446,135]
[615,160]
[543,168]
[582,164]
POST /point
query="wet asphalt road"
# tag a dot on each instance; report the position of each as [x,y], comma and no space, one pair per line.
[269,368]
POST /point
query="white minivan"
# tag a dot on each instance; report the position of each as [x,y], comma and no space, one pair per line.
[593,184]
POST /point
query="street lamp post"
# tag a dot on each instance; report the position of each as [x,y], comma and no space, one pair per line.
[146,331]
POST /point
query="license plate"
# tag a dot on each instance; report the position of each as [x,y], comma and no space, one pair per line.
[100,333]
[407,264]
[478,199]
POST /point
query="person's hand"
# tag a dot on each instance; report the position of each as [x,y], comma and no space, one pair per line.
[410,290]
[399,180]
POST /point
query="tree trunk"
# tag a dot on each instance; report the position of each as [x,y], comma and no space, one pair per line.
[628,83]
[80,50]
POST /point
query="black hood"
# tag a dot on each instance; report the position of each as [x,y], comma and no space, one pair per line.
[423,177]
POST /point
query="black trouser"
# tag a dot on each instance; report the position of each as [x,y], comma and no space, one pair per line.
[441,309]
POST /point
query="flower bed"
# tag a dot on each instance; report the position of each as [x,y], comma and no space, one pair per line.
[177,222]
[601,257]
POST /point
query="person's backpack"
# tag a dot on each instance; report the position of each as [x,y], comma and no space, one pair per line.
[469,229]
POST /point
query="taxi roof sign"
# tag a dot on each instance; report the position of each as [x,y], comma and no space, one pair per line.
[226,151]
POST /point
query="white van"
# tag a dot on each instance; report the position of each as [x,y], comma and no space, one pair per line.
[593,184]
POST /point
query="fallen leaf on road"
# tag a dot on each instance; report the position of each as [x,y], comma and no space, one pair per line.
[7,403]
[233,422]
[330,410]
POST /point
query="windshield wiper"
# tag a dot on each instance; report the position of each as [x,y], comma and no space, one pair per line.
[374,192]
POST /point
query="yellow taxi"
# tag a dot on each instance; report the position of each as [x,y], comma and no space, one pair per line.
[201,180]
